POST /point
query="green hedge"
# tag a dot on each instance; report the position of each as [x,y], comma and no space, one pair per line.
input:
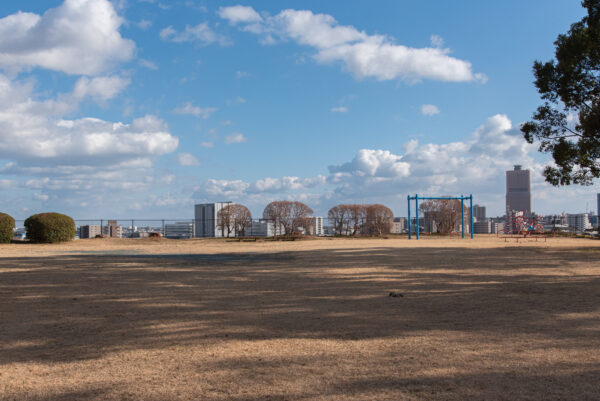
[50,227]
[7,223]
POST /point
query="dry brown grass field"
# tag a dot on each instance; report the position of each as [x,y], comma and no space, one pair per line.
[479,319]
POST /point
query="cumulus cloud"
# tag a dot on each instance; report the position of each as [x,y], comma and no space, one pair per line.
[147,64]
[77,37]
[429,110]
[260,189]
[100,88]
[340,109]
[33,131]
[207,144]
[187,159]
[237,14]
[475,165]
[144,24]
[364,55]
[189,108]
[201,33]
[236,137]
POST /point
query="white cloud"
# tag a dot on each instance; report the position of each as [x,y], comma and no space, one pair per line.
[147,64]
[187,159]
[429,110]
[236,137]
[237,14]
[202,33]
[78,37]
[364,55]
[341,109]
[241,74]
[207,144]
[436,41]
[33,131]
[189,108]
[144,24]
[476,165]
[100,88]
[40,197]
[7,184]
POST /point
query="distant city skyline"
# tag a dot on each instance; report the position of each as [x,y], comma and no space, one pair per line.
[143,109]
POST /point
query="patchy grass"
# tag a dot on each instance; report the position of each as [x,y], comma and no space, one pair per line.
[215,320]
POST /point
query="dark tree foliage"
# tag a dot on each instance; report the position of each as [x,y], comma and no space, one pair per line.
[49,228]
[7,223]
[568,124]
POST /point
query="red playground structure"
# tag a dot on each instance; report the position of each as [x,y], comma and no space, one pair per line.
[519,224]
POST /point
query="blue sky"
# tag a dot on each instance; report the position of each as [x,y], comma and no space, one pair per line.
[143,108]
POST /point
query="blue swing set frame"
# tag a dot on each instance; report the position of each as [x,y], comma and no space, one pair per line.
[462,211]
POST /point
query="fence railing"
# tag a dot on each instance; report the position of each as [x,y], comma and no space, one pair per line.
[205,228]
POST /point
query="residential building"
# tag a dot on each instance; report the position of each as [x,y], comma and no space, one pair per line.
[90,231]
[179,230]
[497,228]
[317,226]
[112,229]
[400,225]
[482,227]
[205,219]
[578,222]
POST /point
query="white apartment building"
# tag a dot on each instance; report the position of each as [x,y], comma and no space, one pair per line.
[317,226]
[578,222]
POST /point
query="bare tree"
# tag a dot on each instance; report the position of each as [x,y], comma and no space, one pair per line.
[241,218]
[445,214]
[379,220]
[289,215]
[300,216]
[225,220]
[276,212]
[358,218]
[338,215]
[233,218]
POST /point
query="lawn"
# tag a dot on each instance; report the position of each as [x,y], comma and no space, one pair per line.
[307,320]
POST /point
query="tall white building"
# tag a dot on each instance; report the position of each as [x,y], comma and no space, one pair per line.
[317,226]
[205,219]
[518,191]
[578,222]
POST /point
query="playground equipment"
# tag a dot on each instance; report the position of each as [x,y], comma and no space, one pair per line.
[519,224]
[462,211]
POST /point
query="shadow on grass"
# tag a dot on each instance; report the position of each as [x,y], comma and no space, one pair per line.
[75,307]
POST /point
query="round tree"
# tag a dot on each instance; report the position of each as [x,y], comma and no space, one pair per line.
[50,228]
[7,223]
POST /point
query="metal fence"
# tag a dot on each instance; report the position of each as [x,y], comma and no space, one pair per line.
[208,228]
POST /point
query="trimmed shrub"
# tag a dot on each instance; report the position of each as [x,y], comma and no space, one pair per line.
[50,227]
[7,223]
